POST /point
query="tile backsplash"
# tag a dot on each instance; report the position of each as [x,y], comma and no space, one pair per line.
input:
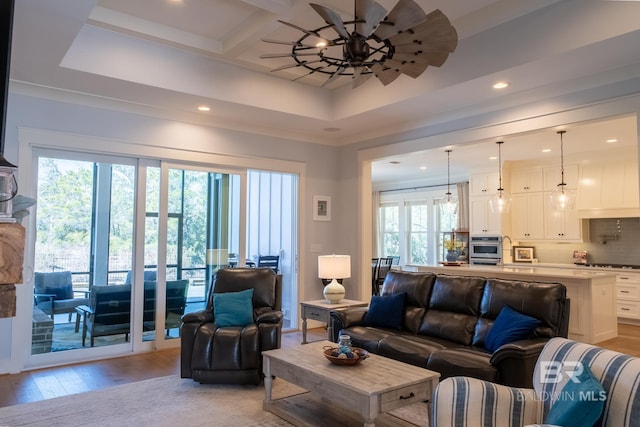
[625,250]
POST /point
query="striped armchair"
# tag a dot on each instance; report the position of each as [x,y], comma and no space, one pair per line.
[463,401]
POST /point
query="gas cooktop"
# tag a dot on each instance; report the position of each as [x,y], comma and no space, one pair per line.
[622,266]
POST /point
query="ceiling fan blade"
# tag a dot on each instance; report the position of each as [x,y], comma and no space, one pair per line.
[371,13]
[359,77]
[436,33]
[404,15]
[310,72]
[296,64]
[298,44]
[331,18]
[411,69]
[430,58]
[311,33]
[334,76]
[385,75]
[285,55]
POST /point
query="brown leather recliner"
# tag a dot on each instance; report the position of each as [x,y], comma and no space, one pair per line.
[233,354]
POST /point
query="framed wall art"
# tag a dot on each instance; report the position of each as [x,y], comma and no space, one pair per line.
[321,208]
[523,253]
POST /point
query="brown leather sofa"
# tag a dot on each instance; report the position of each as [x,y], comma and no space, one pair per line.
[233,354]
[447,319]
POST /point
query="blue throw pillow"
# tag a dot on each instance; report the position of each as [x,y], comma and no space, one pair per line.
[509,326]
[580,403]
[233,308]
[386,311]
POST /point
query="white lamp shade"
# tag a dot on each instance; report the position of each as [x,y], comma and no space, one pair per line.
[334,266]
[217,256]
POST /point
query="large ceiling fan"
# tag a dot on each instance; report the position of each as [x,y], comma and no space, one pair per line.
[404,41]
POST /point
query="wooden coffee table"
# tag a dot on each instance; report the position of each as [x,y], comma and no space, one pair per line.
[343,395]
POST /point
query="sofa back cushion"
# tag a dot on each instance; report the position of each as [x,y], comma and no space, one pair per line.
[454,308]
[418,288]
[544,301]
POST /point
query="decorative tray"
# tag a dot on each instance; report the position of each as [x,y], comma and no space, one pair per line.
[451,264]
[359,355]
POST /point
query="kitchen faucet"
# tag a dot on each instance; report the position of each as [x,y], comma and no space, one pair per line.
[510,242]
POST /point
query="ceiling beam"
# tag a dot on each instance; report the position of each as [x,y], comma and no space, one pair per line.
[273,6]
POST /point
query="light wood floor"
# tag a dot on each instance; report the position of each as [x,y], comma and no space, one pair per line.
[30,386]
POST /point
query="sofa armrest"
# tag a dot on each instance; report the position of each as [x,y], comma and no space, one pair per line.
[346,317]
[273,317]
[199,317]
[516,361]
[465,401]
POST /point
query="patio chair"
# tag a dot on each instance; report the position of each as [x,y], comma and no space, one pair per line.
[54,293]
[109,312]
[270,261]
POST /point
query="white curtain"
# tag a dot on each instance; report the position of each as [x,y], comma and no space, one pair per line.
[463,205]
[376,250]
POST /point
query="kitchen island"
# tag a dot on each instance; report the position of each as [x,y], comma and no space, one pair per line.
[592,317]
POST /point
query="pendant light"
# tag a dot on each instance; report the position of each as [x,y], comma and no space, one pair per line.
[450,203]
[563,198]
[501,202]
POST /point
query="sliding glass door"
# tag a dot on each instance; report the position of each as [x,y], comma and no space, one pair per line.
[83,251]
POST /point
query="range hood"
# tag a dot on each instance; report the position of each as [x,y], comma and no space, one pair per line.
[609,213]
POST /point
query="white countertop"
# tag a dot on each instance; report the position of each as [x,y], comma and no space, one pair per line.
[537,270]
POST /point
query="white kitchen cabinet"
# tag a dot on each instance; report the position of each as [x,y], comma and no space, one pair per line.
[611,185]
[561,225]
[524,180]
[484,184]
[628,296]
[552,177]
[482,220]
[527,220]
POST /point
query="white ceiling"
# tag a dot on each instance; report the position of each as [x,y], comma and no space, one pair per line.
[166,57]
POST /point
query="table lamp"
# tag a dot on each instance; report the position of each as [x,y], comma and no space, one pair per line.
[334,267]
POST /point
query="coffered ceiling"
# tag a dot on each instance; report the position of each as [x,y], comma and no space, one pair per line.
[167,57]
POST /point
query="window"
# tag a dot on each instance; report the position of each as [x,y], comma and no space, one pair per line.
[390,226]
[410,226]
[418,232]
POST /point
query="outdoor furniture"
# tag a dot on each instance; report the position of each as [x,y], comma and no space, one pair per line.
[233,354]
[109,312]
[54,294]
[374,276]
[149,276]
[270,261]
[384,265]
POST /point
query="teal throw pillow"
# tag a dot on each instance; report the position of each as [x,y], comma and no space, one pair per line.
[509,326]
[233,308]
[386,311]
[580,403]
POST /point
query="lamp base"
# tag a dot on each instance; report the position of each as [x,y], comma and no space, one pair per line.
[333,292]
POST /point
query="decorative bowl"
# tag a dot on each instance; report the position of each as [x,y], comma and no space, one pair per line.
[358,353]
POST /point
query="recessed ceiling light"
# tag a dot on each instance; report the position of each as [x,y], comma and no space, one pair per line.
[546,150]
[493,158]
[423,168]
[500,85]
[395,162]
[321,43]
[612,140]
[204,108]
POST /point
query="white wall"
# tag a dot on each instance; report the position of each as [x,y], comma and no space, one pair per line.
[104,128]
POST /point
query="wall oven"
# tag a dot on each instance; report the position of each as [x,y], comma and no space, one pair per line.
[485,250]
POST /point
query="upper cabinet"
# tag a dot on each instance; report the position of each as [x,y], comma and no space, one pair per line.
[482,219]
[484,184]
[525,180]
[609,186]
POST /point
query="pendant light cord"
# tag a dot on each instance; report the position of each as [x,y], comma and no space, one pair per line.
[562,183]
[448,175]
[500,189]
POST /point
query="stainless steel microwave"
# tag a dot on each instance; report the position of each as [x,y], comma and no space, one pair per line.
[485,249]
